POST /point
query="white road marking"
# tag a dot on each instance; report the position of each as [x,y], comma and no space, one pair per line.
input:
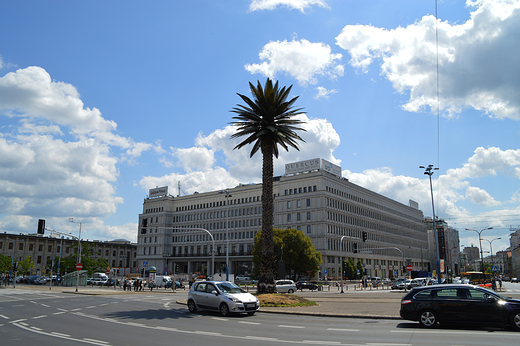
[285,326]
[5,317]
[343,330]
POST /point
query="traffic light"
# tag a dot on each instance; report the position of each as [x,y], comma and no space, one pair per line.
[41,226]
[176,268]
[365,235]
[355,247]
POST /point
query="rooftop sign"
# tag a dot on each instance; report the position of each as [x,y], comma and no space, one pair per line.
[311,165]
[158,192]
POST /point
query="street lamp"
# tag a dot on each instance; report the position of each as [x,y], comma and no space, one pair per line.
[480,243]
[227,232]
[491,250]
[79,252]
[341,261]
[429,171]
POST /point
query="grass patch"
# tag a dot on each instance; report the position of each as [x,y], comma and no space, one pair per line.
[283,300]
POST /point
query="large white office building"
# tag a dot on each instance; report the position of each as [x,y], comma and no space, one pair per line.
[341,218]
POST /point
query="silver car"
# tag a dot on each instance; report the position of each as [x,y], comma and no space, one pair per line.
[222,296]
[285,286]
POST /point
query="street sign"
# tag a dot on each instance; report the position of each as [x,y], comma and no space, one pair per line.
[494,268]
[145,264]
[79,266]
[409,267]
[108,272]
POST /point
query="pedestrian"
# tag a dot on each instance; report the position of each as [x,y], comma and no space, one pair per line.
[500,283]
[494,283]
[124,285]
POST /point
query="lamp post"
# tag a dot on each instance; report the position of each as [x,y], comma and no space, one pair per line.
[341,260]
[480,243]
[79,252]
[12,259]
[227,232]
[429,171]
[491,250]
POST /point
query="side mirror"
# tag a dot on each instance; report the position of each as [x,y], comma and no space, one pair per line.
[214,292]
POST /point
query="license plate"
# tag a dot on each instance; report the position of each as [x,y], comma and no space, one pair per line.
[250,305]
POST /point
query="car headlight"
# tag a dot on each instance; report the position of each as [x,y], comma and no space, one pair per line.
[234,300]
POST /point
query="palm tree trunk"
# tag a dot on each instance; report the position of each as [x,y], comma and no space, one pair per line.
[266,282]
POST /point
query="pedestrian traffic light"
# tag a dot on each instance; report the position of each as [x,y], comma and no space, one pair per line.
[364,236]
[41,226]
[355,247]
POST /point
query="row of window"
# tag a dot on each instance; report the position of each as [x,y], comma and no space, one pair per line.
[154,210]
[304,189]
[366,202]
[218,214]
[49,248]
[298,216]
[219,203]
[298,203]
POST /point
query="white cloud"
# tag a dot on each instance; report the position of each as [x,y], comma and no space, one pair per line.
[324,93]
[477,59]
[257,5]
[46,174]
[301,59]
[480,196]
[320,141]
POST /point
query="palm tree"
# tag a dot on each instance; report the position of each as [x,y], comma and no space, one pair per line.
[267,121]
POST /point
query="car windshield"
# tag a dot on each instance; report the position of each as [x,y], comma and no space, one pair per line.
[229,287]
[491,293]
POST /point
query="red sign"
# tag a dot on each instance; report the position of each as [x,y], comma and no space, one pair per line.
[79,266]
[409,267]
[108,272]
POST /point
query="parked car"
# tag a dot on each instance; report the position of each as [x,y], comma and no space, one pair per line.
[459,303]
[285,286]
[404,284]
[515,280]
[222,296]
[300,285]
[395,284]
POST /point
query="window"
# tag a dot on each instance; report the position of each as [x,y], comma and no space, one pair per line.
[308,202]
[447,294]
[298,217]
[39,260]
[31,247]
[288,217]
[308,229]
[40,247]
[289,205]
[298,204]
[49,248]
[308,215]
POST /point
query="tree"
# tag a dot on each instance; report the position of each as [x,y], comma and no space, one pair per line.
[24,267]
[5,264]
[268,122]
[294,248]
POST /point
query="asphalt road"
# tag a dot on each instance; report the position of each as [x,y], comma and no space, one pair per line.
[45,318]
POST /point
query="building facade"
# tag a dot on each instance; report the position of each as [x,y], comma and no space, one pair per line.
[177,234]
[120,254]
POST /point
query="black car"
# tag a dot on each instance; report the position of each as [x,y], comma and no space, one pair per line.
[300,285]
[459,303]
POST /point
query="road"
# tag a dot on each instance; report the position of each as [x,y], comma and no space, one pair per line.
[53,318]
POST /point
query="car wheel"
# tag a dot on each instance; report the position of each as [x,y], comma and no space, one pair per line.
[224,309]
[192,306]
[290,291]
[515,320]
[428,319]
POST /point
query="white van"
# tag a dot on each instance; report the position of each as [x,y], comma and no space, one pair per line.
[100,276]
[163,281]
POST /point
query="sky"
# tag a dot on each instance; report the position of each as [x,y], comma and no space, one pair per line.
[102,100]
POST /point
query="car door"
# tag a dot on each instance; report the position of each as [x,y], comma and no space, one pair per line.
[212,297]
[199,295]
[484,307]
[449,306]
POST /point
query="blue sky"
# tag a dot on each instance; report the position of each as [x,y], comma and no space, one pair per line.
[100,101]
